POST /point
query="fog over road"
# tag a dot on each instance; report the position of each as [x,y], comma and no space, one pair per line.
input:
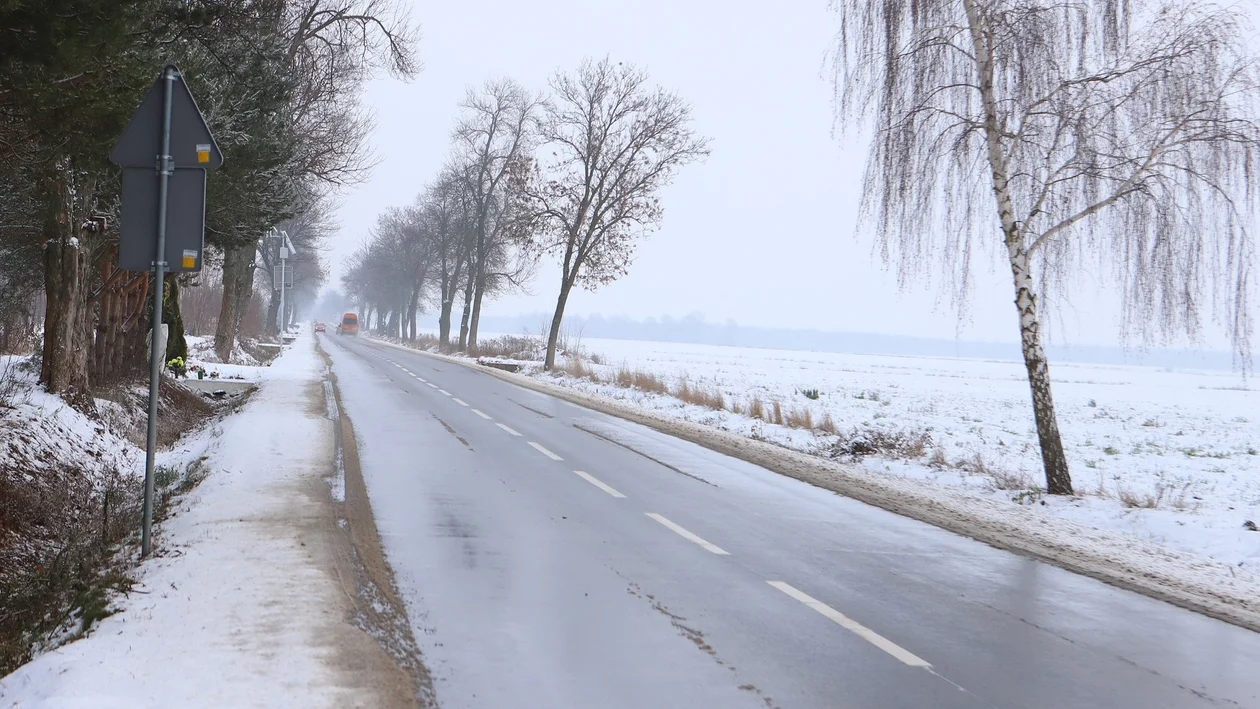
[551,556]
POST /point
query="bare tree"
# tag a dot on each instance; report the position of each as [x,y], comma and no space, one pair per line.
[1111,131]
[445,213]
[614,142]
[492,141]
[331,47]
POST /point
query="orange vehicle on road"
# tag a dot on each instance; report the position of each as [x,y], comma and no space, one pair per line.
[349,324]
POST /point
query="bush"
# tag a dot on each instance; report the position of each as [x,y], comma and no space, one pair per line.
[57,564]
[891,443]
[14,391]
[813,394]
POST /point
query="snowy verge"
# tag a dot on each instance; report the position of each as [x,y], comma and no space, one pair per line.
[1205,585]
[244,605]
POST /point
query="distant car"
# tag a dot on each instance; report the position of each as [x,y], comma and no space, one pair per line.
[349,324]
[320,327]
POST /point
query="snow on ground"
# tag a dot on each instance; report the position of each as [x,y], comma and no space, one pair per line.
[1169,457]
[237,610]
[63,433]
[201,354]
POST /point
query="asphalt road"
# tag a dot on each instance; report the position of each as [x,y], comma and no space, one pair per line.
[556,557]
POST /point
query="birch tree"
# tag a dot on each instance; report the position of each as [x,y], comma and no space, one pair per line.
[611,142]
[1115,135]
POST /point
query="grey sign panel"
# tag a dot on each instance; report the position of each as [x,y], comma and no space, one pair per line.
[185,220]
[282,275]
[191,142]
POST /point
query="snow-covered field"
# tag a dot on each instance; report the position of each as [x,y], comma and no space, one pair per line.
[1169,457]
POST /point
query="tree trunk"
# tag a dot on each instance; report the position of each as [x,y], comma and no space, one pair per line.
[67,259]
[273,313]
[554,335]
[238,284]
[1058,477]
[444,323]
[176,345]
[412,307]
[464,319]
[476,318]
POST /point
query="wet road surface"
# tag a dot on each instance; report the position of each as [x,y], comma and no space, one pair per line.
[556,557]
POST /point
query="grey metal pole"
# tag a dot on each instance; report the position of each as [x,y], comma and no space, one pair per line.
[156,359]
[283,320]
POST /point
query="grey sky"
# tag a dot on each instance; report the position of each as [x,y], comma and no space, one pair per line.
[762,232]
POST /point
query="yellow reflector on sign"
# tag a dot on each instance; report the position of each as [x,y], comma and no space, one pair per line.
[190,259]
[203,152]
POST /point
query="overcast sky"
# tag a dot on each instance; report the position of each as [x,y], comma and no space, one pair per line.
[762,232]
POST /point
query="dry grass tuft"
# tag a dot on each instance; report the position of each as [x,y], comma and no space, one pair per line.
[757,408]
[700,396]
[643,381]
[800,418]
[828,425]
[777,414]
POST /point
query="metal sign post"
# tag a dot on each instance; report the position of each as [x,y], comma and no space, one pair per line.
[168,126]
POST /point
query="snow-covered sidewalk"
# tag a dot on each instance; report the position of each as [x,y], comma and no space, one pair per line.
[251,600]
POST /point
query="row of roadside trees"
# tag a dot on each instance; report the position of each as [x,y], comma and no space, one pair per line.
[574,173]
[279,84]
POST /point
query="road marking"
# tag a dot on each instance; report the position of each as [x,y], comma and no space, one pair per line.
[461,402]
[544,451]
[421,378]
[597,483]
[431,385]
[687,535]
[853,626]
[445,392]
[482,415]
[505,428]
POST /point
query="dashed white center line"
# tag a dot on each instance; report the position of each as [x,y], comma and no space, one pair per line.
[505,428]
[853,626]
[687,535]
[445,392]
[431,385]
[461,402]
[421,378]
[597,483]
[481,414]
[544,451]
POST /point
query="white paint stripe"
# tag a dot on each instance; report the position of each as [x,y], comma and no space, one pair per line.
[687,535]
[482,415]
[431,385]
[853,626]
[461,402]
[592,480]
[505,428]
[544,451]
[445,392]
[426,381]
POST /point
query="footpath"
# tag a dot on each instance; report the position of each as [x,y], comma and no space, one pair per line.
[254,597]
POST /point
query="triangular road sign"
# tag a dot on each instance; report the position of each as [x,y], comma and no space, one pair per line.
[191,142]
